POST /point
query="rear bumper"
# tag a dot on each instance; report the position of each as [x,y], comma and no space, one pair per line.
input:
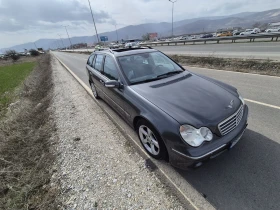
[183,160]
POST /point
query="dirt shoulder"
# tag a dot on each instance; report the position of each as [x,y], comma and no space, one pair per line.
[255,66]
[25,156]
[96,166]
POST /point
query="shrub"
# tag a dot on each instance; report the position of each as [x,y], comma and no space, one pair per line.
[13,54]
[34,52]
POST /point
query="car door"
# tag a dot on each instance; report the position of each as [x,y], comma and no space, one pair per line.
[114,96]
[95,72]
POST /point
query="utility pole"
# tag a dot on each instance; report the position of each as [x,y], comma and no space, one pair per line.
[172,1]
[117,33]
[93,21]
[61,41]
[68,36]
[35,46]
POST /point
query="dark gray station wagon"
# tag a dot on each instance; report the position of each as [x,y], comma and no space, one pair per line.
[178,115]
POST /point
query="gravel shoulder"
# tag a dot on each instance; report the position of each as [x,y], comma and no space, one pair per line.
[96,167]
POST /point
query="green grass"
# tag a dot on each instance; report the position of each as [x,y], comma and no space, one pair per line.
[11,77]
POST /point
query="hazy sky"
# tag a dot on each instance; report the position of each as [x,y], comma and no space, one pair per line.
[24,21]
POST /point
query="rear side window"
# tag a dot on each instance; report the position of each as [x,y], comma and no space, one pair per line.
[110,68]
[90,60]
[98,62]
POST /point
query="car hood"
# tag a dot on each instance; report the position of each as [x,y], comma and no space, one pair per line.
[190,99]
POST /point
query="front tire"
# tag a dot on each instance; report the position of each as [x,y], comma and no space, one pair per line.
[94,90]
[151,140]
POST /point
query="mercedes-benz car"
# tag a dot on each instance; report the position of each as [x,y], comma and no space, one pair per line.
[179,115]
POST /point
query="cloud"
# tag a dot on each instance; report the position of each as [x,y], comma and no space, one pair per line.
[37,13]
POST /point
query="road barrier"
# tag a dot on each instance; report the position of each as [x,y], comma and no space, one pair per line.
[251,37]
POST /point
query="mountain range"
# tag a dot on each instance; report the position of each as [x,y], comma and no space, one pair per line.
[187,26]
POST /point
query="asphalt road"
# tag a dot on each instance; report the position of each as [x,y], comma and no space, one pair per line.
[247,177]
[256,50]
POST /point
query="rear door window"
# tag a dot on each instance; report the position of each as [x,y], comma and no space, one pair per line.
[98,62]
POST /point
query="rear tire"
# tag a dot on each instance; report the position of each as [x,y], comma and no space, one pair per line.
[94,90]
[151,140]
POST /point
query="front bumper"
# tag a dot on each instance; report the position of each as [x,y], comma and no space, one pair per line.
[181,159]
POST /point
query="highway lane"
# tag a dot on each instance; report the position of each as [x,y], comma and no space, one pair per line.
[256,50]
[247,177]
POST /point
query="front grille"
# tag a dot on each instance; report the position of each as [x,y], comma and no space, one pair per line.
[231,122]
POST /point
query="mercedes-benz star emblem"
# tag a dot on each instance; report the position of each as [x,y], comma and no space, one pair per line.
[230,104]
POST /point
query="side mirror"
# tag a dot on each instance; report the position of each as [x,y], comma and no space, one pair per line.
[112,84]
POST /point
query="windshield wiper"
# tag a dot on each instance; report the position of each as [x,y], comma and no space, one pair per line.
[169,73]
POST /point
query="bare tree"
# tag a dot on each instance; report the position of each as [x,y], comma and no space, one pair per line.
[257,24]
[12,54]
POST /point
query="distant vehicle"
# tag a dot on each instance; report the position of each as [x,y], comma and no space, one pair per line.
[237,33]
[113,45]
[257,30]
[224,33]
[206,36]
[131,45]
[269,30]
[249,31]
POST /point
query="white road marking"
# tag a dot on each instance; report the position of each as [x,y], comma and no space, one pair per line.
[235,72]
[261,103]
[136,143]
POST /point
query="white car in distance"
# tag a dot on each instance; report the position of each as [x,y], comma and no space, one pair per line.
[249,31]
[269,30]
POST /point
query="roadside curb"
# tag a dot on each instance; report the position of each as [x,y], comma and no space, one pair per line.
[186,200]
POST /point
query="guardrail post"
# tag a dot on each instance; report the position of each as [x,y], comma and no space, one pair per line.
[276,39]
[218,41]
[161,44]
[184,43]
[231,41]
[250,40]
[168,44]
[272,38]
[175,43]
[254,40]
[204,42]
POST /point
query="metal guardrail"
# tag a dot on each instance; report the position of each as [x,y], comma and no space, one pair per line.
[252,38]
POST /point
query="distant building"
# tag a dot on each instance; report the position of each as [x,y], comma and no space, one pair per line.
[153,36]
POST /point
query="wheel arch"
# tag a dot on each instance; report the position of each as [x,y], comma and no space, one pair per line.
[138,118]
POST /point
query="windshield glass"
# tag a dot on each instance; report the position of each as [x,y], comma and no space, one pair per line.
[145,67]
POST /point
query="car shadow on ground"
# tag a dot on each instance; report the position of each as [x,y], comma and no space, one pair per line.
[246,177]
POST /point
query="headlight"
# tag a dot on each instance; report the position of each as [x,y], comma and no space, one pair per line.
[195,137]
[241,98]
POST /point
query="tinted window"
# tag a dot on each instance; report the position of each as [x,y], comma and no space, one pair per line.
[98,62]
[110,69]
[90,59]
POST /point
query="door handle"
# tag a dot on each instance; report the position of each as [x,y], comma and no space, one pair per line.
[102,81]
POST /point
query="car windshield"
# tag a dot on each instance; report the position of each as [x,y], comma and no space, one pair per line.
[146,67]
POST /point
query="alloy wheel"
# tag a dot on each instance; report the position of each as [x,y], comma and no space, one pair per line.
[149,140]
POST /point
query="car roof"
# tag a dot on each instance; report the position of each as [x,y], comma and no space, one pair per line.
[125,51]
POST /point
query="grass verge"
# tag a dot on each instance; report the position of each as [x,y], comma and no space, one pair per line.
[25,155]
[12,76]
[264,67]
